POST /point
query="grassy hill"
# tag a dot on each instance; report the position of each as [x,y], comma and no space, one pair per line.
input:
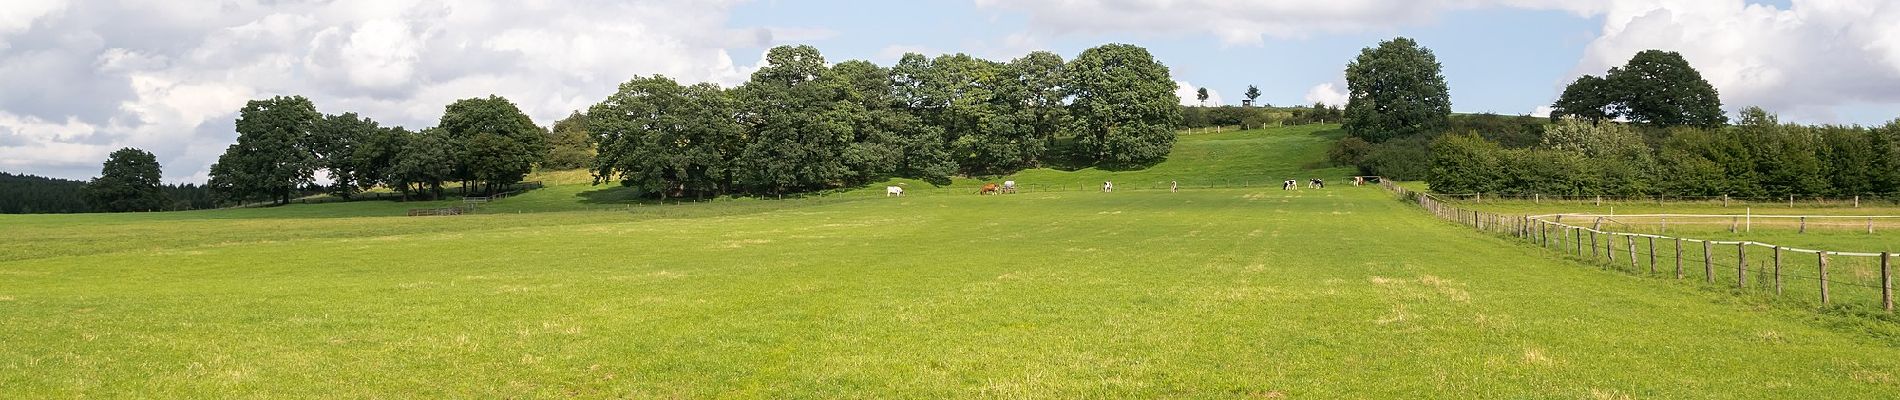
[1221,292]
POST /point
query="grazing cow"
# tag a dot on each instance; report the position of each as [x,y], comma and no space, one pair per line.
[1290,185]
[1009,187]
[988,188]
[893,191]
[1316,183]
[1108,186]
[1174,186]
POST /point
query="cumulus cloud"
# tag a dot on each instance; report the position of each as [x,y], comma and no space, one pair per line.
[1804,61]
[169,76]
[1190,95]
[1327,93]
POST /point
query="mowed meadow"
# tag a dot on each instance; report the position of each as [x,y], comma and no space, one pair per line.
[570,291]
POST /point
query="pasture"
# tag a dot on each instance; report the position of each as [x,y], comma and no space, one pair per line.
[1207,293]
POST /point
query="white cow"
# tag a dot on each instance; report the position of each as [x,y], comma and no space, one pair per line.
[1009,186]
[893,191]
[1108,187]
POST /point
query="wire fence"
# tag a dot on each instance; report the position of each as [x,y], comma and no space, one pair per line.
[1851,201]
[1819,276]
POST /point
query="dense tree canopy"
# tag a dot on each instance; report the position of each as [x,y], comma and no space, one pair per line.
[495,143]
[275,153]
[1123,105]
[1656,88]
[1396,90]
[1588,98]
[663,138]
[570,146]
[1757,157]
[127,182]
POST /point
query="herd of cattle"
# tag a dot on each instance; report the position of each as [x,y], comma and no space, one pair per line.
[1009,187]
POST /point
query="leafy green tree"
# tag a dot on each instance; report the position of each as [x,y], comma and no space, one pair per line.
[335,139]
[1659,88]
[1701,162]
[1849,158]
[1201,94]
[665,139]
[424,161]
[1884,143]
[274,154]
[1617,160]
[981,101]
[875,150]
[798,132]
[1546,172]
[1466,163]
[374,156]
[1253,94]
[922,143]
[128,182]
[496,144]
[1124,109]
[1785,158]
[1396,90]
[1039,95]
[569,144]
[1589,98]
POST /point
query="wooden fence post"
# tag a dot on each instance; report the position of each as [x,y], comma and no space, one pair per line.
[1708,262]
[1652,254]
[1632,247]
[1665,225]
[1678,258]
[1804,225]
[1777,270]
[1886,281]
[1741,265]
[1823,257]
[1609,246]
[1578,234]
[1593,245]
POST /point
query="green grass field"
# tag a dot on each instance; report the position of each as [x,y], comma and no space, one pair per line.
[1207,293]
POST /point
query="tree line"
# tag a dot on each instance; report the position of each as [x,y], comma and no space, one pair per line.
[1258,116]
[1756,157]
[485,144]
[799,124]
[29,194]
[1652,126]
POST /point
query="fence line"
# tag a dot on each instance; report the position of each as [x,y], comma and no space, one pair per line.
[1838,276]
[1855,201]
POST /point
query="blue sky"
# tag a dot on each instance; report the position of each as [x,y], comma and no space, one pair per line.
[1496,60]
[84,78]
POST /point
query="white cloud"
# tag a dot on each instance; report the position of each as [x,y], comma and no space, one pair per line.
[1326,93]
[1542,111]
[85,78]
[1805,61]
[1808,61]
[18,15]
[1190,95]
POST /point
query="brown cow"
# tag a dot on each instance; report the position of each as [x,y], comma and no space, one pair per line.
[989,188]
